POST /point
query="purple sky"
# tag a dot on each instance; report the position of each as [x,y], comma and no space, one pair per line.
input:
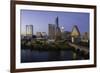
[41,19]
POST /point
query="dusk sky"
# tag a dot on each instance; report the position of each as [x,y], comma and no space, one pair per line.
[41,19]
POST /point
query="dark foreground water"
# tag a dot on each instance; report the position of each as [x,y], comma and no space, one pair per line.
[28,55]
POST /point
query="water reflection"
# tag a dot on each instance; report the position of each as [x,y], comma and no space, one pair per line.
[28,55]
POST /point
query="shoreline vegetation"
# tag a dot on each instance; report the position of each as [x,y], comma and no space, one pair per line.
[44,45]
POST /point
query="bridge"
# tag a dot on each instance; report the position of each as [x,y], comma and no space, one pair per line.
[80,48]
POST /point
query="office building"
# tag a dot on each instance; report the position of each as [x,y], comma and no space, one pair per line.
[85,37]
[57,30]
[29,30]
[54,31]
[51,31]
[75,34]
[38,34]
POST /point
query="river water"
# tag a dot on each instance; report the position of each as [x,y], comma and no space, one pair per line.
[28,55]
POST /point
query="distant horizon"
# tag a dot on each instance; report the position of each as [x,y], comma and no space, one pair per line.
[41,19]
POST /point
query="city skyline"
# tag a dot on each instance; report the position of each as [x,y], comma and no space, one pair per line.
[41,19]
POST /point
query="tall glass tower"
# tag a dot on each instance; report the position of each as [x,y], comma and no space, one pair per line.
[57,31]
[29,30]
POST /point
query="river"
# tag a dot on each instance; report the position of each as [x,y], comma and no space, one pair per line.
[28,55]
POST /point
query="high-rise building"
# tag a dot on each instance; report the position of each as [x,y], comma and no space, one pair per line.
[75,34]
[29,30]
[75,31]
[54,30]
[57,30]
[51,31]
[57,21]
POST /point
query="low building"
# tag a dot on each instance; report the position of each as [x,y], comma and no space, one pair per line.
[44,35]
[38,35]
[66,35]
[85,37]
[41,36]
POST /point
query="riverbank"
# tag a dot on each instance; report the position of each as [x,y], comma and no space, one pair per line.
[44,45]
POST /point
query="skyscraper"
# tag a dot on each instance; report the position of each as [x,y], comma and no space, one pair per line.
[75,34]
[57,30]
[54,30]
[51,31]
[57,21]
[29,30]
